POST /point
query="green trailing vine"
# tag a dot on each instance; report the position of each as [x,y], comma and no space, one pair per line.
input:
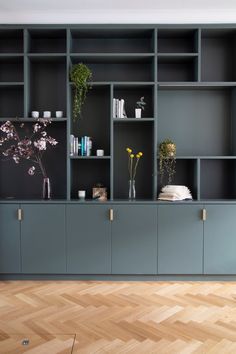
[167,159]
[80,75]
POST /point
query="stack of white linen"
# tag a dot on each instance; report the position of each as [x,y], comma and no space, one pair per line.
[174,193]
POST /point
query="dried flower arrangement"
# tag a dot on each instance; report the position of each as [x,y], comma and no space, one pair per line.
[21,147]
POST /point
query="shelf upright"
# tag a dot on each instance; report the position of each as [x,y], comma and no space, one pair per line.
[155,126]
[111,142]
[26,73]
[68,113]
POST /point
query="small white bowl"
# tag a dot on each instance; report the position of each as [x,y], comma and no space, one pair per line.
[59,114]
[47,114]
[100,152]
[35,114]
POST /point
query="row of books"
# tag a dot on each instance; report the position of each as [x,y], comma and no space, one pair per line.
[119,108]
[82,147]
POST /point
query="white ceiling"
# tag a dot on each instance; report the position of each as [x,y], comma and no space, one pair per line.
[117,11]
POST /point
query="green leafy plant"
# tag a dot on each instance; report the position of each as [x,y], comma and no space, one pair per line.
[167,159]
[141,104]
[80,75]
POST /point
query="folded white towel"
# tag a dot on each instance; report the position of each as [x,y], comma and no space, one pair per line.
[174,193]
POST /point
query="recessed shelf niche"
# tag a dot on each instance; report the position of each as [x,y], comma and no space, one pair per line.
[47,41]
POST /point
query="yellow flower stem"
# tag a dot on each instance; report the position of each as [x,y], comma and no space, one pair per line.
[135,168]
[131,167]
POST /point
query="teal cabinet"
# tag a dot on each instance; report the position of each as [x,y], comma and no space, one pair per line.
[180,239]
[9,239]
[134,239]
[220,239]
[43,245]
[88,239]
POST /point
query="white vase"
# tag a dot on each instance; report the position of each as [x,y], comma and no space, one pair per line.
[138,112]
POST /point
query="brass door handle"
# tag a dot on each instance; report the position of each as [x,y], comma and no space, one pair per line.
[204,214]
[111,214]
[20,214]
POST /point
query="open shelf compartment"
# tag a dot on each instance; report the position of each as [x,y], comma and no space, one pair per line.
[185,174]
[132,94]
[177,68]
[218,48]
[177,40]
[16,183]
[218,178]
[11,69]
[86,173]
[47,90]
[95,118]
[114,41]
[11,41]
[11,101]
[199,121]
[139,138]
[120,68]
[47,40]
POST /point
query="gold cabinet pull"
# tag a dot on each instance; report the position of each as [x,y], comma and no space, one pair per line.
[204,214]
[111,214]
[20,214]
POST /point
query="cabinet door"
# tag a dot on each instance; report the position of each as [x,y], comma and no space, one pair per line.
[88,239]
[180,239]
[9,239]
[134,239]
[43,239]
[220,240]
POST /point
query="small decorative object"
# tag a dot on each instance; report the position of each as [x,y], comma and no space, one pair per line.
[100,152]
[167,159]
[19,147]
[81,195]
[99,192]
[46,114]
[59,114]
[132,169]
[139,107]
[35,114]
[80,75]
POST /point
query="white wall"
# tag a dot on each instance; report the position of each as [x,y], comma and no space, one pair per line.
[117,11]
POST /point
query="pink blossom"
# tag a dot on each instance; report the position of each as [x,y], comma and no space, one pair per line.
[52,141]
[41,144]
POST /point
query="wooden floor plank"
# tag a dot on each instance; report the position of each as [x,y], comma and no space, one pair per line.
[117,317]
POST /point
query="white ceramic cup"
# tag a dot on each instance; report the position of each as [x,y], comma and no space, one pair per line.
[47,114]
[59,114]
[81,194]
[100,152]
[35,114]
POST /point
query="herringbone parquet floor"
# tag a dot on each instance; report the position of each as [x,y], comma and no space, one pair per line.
[117,317]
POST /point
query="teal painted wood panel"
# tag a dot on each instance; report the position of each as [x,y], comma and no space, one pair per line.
[220,240]
[180,239]
[88,239]
[134,239]
[9,239]
[43,243]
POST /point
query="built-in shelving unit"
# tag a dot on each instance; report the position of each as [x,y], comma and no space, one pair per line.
[187,75]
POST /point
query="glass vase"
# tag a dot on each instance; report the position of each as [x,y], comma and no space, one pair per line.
[46,188]
[132,190]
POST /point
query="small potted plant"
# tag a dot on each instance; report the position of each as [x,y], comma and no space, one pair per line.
[167,159]
[80,76]
[139,107]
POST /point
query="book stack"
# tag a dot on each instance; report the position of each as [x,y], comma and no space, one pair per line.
[119,108]
[82,147]
[175,193]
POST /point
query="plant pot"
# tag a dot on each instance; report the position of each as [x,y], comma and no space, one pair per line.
[171,149]
[138,112]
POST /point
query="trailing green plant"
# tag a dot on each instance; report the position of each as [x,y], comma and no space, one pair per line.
[80,75]
[141,104]
[167,159]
